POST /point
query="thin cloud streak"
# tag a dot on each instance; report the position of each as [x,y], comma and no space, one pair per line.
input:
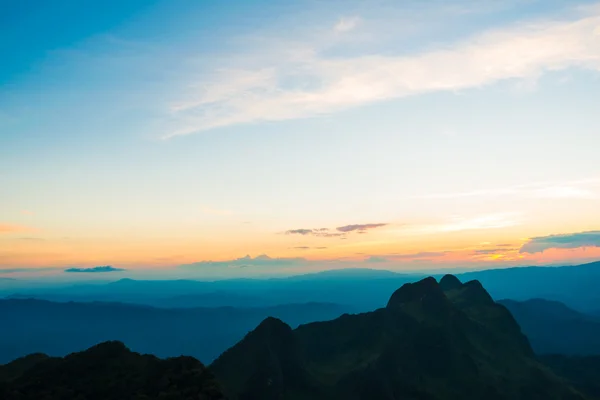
[483,222]
[291,86]
[578,189]
[342,231]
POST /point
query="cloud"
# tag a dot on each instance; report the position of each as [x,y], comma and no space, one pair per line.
[301,232]
[563,241]
[101,269]
[376,259]
[341,233]
[564,192]
[491,251]
[308,248]
[359,227]
[321,232]
[7,228]
[262,260]
[27,212]
[346,24]
[457,224]
[419,255]
[578,189]
[299,80]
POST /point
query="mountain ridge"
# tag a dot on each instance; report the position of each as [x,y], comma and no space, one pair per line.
[425,344]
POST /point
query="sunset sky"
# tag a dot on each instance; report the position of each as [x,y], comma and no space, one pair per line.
[182,136]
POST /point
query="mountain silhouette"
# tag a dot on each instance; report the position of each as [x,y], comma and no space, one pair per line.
[432,341]
[583,373]
[554,328]
[107,371]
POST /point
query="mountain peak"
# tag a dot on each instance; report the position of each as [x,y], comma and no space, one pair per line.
[450,282]
[476,293]
[273,324]
[427,292]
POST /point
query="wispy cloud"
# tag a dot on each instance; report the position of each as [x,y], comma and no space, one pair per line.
[577,189]
[489,221]
[262,260]
[562,241]
[286,84]
[492,251]
[359,227]
[376,259]
[27,212]
[100,269]
[346,24]
[422,254]
[339,232]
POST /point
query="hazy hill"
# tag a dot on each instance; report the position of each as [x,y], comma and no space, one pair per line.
[104,372]
[574,286]
[432,341]
[554,328]
[29,326]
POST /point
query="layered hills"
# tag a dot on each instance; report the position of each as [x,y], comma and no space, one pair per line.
[433,340]
[445,340]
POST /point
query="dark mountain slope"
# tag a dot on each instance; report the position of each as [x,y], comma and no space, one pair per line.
[19,366]
[583,373]
[554,328]
[110,371]
[57,329]
[426,344]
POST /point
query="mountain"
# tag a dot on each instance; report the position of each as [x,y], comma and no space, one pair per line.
[431,341]
[58,329]
[104,372]
[575,286]
[554,328]
[583,373]
[347,273]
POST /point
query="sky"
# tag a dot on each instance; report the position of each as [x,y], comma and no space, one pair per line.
[251,138]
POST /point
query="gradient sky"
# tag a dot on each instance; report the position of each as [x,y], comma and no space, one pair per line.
[147,135]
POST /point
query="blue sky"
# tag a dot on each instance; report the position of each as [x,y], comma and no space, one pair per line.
[152,134]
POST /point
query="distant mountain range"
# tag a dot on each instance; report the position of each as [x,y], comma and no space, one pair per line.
[432,341]
[574,286]
[554,328]
[57,329]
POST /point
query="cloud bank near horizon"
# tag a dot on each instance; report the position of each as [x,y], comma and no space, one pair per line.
[562,241]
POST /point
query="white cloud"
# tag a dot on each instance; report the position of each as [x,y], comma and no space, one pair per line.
[579,189]
[346,24]
[457,224]
[300,80]
[564,192]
